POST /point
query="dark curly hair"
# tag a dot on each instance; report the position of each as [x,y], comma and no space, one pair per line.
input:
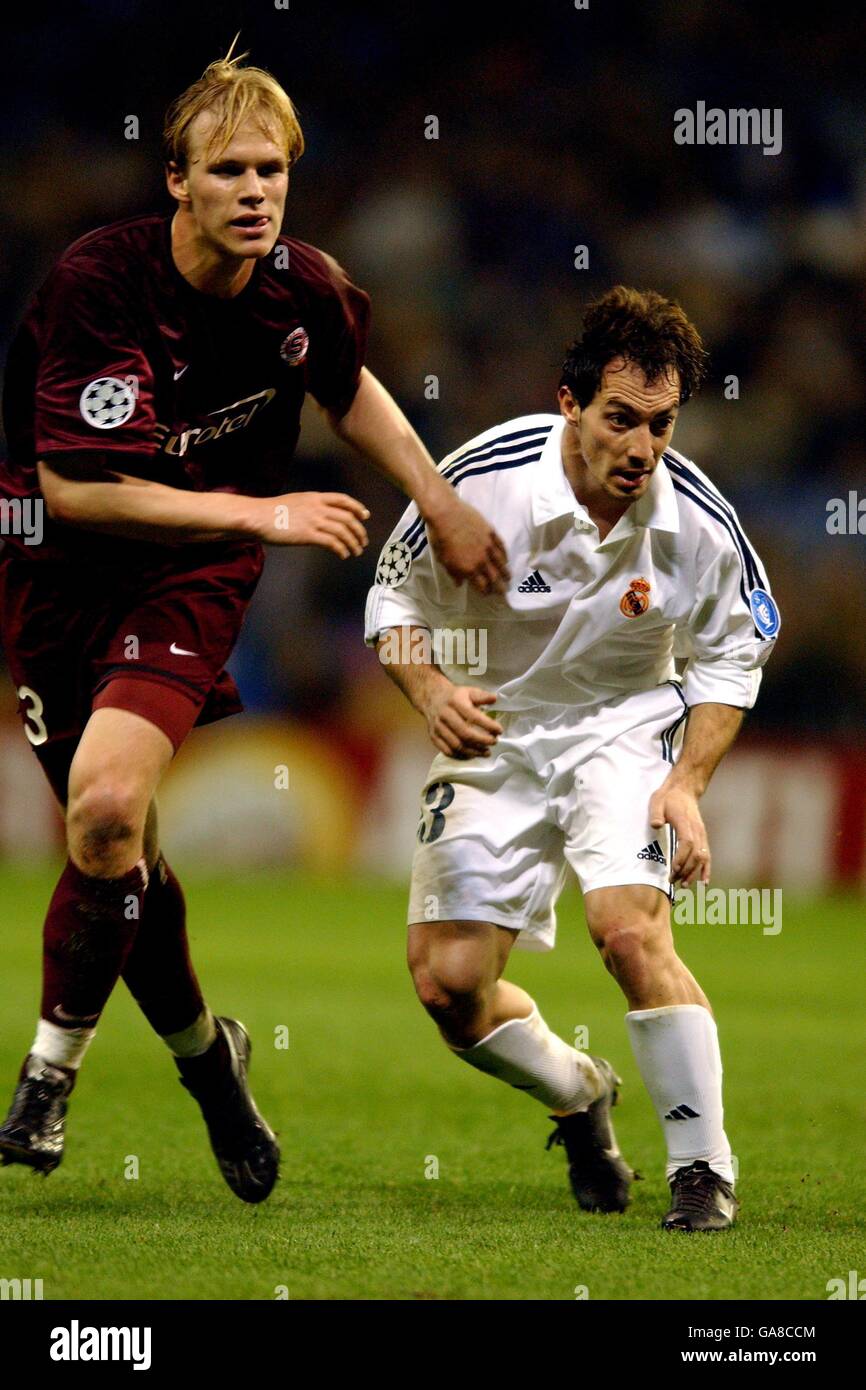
[644,328]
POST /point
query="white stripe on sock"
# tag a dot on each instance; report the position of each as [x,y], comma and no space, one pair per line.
[194,1040]
[61,1047]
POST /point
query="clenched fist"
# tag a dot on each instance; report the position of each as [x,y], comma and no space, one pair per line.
[457,723]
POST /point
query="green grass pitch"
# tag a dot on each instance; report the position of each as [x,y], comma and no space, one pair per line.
[365,1097]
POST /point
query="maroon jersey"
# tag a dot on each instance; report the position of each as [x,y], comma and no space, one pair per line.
[121,359]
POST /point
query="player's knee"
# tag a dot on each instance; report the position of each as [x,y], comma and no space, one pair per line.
[103,820]
[624,945]
[448,990]
[430,995]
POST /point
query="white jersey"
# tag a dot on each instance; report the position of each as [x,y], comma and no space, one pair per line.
[584,620]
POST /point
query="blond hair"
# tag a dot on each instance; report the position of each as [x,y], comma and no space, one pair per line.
[235,95]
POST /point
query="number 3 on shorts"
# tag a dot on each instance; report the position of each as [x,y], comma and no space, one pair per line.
[437,797]
[34,724]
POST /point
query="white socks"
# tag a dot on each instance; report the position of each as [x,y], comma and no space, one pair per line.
[65,1047]
[524,1053]
[677,1052]
[61,1047]
[195,1039]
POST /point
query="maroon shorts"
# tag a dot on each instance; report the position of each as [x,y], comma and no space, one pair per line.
[77,639]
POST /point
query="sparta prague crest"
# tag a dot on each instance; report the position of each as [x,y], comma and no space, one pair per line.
[636,599]
[294,347]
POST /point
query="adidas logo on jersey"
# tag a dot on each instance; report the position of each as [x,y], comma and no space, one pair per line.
[534,584]
[653,852]
[683,1112]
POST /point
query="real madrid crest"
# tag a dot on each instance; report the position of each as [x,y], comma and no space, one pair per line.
[636,599]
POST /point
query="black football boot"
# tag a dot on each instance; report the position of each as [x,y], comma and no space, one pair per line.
[700,1200]
[245,1146]
[599,1175]
[33,1131]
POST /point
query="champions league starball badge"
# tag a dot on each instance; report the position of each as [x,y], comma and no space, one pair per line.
[394,565]
[107,402]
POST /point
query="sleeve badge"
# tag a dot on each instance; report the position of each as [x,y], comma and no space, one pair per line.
[394,565]
[107,402]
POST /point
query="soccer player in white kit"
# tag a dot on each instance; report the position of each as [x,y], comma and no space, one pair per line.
[620,661]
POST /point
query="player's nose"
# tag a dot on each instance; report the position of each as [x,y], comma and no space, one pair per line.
[641,446]
[252,191]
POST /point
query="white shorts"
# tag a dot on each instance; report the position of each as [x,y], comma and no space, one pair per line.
[496,834]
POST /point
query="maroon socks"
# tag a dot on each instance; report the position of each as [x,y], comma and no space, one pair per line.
[99,929]
[158,971]
[89,932]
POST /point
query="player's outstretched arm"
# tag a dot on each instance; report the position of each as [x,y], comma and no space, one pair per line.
[456,720]
[710,731]
[85,495]
[465,544]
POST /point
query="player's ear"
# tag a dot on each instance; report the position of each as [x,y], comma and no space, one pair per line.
[176,182]
[568,406]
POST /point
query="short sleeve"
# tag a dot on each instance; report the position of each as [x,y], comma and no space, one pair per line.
[404,592]
[339,345]
[94,385]
[730,634]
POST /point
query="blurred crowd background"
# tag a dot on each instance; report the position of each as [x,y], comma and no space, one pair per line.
[556,129]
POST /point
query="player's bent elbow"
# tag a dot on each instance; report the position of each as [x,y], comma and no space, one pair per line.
[59,497]
[51,488]
[55,504]
[61,508]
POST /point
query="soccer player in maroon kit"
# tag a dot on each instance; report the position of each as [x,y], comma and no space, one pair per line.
[152,400]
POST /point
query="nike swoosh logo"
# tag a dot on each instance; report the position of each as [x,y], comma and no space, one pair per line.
[179,374]
[180,651]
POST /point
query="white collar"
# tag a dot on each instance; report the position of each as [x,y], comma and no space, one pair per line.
[552,494]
